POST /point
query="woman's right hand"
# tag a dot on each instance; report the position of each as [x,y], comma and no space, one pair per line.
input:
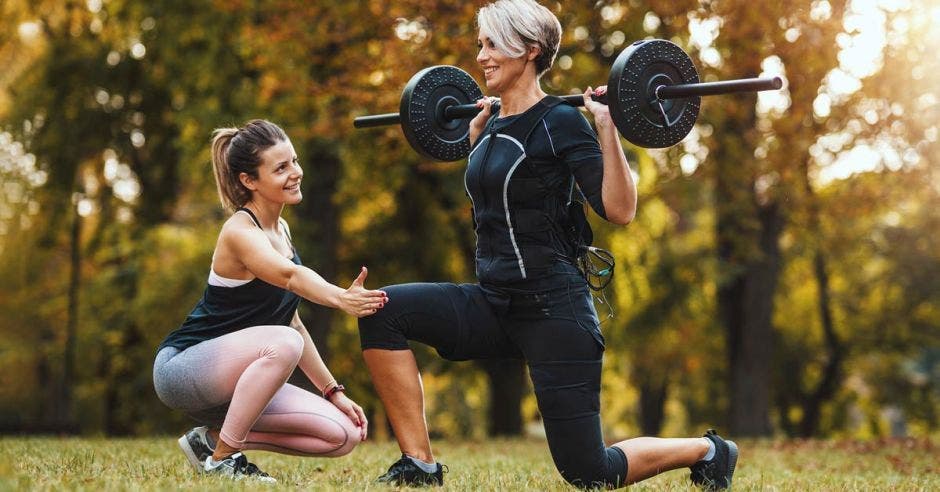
[478,123]
[359,301]
[353,411]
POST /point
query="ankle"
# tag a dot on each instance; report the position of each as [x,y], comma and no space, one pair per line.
[217,456]
[424,456]
[708,449]
[222,450]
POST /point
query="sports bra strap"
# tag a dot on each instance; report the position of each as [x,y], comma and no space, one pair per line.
[251,214]
[281,221]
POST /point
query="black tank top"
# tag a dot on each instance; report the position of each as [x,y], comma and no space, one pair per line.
[223,310]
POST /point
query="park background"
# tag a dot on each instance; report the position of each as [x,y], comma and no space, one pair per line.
[781,279]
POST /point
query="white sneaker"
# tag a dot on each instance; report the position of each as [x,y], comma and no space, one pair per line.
[237,467]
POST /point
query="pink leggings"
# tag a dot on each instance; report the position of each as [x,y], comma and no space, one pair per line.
[238,381]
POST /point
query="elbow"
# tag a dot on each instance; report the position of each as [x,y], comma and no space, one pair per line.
[621,220]
[621,217]
[290,279]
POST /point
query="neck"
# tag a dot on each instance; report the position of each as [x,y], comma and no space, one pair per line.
[266,212]
[522,95]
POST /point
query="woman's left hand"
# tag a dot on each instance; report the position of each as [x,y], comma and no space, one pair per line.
[600,111]
[353,411]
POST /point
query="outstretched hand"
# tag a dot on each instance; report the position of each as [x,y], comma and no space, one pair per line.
[359,301]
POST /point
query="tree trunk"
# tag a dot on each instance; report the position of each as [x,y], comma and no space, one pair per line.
[653,395]
[506,383]
[750,330]
[748,250]
[64,406]
[831,374]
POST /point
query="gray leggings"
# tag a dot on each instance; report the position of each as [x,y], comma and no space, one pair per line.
[237,383]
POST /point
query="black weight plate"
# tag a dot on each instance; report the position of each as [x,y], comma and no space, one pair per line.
[636,73]
[422,112]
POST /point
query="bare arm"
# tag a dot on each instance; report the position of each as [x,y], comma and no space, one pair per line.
[253,249]
[313,366]
[618,191]
[310,361]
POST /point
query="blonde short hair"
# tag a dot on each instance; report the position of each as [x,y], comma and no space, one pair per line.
[514,25]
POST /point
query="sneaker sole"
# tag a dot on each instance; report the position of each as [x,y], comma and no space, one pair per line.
[732,459]
[190,455]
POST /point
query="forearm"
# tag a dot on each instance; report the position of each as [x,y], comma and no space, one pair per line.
[618,190]
[311,286]
[311,363]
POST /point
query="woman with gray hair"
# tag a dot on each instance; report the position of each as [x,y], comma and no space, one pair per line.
[532,302]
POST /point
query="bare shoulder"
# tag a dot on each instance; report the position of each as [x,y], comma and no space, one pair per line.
[239,228]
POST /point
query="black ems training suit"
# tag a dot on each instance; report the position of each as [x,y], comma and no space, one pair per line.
[531,301]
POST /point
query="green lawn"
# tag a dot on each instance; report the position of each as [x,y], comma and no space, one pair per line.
[31,463]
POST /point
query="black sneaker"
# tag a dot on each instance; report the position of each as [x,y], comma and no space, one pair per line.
[237,467]
[406,472]
[195,445]
[715,474]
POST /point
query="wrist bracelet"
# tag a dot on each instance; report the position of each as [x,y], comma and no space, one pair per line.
[332,391]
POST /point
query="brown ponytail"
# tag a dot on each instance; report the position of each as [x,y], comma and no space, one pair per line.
[231,191]
[236,151]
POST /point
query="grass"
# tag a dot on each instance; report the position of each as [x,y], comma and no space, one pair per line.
[48,463]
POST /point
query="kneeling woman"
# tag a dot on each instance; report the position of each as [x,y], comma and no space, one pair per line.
[531,301]
[227,365]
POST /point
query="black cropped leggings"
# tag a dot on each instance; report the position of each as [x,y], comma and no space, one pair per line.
[553,326]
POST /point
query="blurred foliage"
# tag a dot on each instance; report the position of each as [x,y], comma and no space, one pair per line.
[108,212]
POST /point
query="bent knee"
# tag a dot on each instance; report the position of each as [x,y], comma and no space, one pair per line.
[382,331]
[283,343]
[608,473]
[344,436]
[353,440]
[590,480]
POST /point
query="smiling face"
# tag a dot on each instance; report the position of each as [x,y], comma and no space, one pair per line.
[279,175]
[500,70]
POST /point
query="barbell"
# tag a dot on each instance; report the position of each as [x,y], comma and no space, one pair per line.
[653,92]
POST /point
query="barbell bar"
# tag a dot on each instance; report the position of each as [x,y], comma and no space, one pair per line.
[662,92]
[653,92]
